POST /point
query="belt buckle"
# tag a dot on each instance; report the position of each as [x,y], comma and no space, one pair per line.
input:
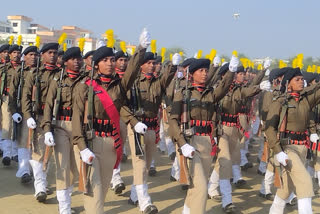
[90,134]
[189,132]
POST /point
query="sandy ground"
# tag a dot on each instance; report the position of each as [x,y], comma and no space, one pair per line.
[16,198]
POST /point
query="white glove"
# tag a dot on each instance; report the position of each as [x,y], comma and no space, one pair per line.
[17,117]
[31,123]
[145,38]
[314,138]
[265,85]
[48,139]
[267,64]
[216,61]
[267,72]
[234,62]
[215,140]
[187,150]
[87,156]
[140,128]
[179,74]
[176,58]
[282,158]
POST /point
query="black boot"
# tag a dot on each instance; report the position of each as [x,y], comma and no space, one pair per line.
[230,208]
[151,209]
[119,188]
[6,161]
[26,178]
[152,171]
[41,196]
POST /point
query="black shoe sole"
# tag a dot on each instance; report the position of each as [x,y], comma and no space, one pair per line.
[42,197]
[118,190]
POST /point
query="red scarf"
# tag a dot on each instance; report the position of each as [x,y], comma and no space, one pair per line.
[88,68]
[199,87]
[15,64]
[296,96]
[112,113]
[72,74]
[49,66]
[119,72]
[149,76]
[105,79]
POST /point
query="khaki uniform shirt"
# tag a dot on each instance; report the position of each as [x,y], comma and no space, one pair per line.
[201,106]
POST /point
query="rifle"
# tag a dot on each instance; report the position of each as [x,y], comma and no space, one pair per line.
[56,106]
[137,111]
[3,80]
[15,126]
[85,169]
[35,106]
[278,182]
[186,169]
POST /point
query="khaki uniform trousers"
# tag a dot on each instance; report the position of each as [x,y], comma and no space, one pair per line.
[6,119]
[66,168]
[197,194]
[38,142]
[101,173]
[229,152]
[123,131]
[243,119]
[23,134]
[141,164]
[295,175]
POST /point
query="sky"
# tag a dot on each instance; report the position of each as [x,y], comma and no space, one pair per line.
[266,28]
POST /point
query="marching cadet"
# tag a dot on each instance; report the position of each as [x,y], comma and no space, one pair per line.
[106,95]
[9,147]
[57,126]
[158,67]
[286,130]
[33,102]
[87,59]
[60,58]
[228,159]
[178,82]
[148,98]
[4,54]
[266,163]
[121,64]
[3,64]
[199,144]
[30,56]
[314,154]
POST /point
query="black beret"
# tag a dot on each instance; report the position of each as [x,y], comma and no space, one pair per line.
[49,46]
[4,48]
[89,53]
[309,77]
[73,52]
[149,56]
[159,59]
[30,49]
[224,69]
[288,75]
[60,53]
[101,53]
[14,48]
[187,62]
[240,69]
[199,63]
[120,54]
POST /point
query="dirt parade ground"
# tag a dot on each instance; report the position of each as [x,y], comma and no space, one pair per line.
[168,196]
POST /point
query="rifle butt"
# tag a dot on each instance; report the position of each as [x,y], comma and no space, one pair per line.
[46,158]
